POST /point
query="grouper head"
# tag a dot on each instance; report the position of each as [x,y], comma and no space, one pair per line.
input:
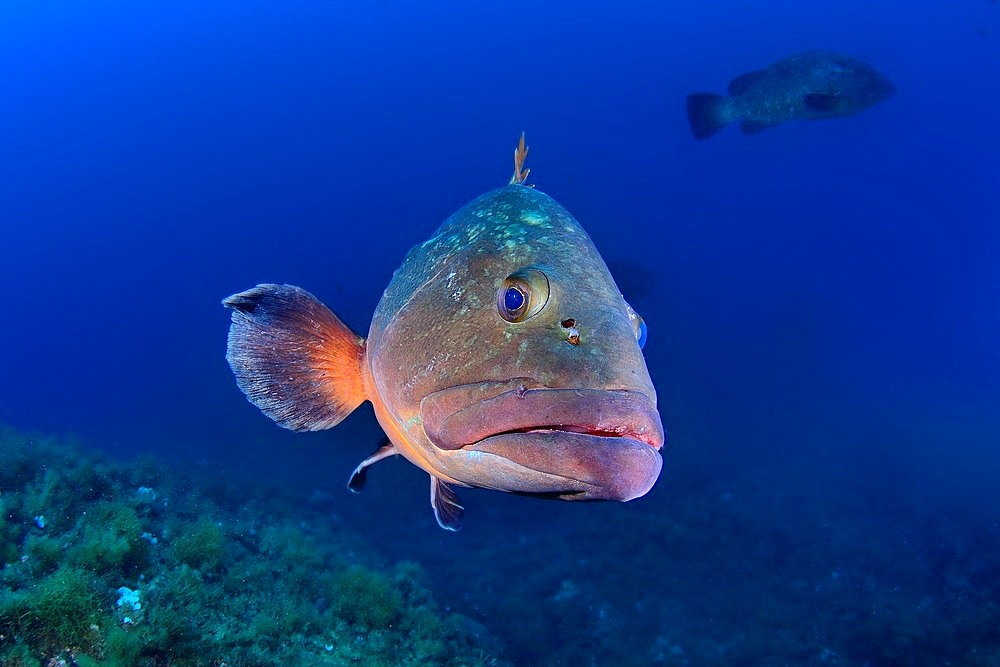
[507,358]
[501,356]
[835,85]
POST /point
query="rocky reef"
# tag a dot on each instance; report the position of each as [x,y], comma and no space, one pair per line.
[108,563]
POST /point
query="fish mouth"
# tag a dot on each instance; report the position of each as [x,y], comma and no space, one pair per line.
[576,443]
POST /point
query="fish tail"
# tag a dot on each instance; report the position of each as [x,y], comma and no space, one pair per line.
[293,358]
[707,113]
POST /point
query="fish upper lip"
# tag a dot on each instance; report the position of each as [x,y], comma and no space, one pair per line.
[623,432]
[462,416]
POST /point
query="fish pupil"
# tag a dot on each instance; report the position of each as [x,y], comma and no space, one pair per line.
[513,299]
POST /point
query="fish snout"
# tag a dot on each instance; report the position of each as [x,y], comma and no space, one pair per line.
[888,88]
[878,88]
[574,444]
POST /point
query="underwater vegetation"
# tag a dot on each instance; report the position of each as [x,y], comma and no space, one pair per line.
[108,564]
[749,569]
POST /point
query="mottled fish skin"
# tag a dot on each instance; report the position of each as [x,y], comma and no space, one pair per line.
[814,85]
[437,325]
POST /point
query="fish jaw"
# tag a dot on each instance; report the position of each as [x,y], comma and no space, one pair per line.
[574,444]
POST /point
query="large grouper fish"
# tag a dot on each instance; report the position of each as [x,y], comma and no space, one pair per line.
[814,85]
[502,355]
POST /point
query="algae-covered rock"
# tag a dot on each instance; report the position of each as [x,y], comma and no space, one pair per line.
[9,535]
[59,610]
[44,553]
[110,538]
[366,599]
[201,545]
[204,584]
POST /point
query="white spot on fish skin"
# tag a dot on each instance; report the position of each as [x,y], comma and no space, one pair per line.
[534,218]
[473,232]
[474,457]
[450,277]
[457,295]
[436,361]
[438,358]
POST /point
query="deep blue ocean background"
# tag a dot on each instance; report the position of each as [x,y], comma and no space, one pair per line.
[823,299]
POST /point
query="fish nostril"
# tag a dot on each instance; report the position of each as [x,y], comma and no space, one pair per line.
[572,333]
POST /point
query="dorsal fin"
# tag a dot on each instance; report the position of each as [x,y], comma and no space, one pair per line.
[744,83]
[520,176]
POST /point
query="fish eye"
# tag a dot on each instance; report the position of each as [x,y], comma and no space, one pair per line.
[638,325]
[522,294]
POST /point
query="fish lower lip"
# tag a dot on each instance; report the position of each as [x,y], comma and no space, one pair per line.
[573,466]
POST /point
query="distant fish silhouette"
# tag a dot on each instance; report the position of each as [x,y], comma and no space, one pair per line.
[807,86]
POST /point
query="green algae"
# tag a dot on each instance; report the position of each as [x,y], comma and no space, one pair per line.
[61,609]
[366,599]
[201,545]
[109,539]
[44,554]
[220,579]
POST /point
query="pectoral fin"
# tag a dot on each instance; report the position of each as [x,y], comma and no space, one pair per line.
[821,102]
[447,511]
[360,474]
[293,358]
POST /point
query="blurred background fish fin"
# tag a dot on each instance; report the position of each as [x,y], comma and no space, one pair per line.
[821,102]
[744,83]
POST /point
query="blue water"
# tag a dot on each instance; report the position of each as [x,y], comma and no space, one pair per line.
[823,299]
